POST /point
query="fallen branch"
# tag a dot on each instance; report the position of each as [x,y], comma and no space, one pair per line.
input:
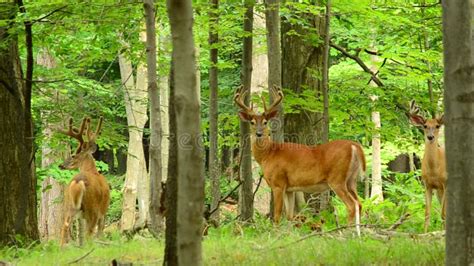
[400,221]
[81,257]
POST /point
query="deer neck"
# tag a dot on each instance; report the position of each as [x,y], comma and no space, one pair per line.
[432,153]
[261,147]
[88,165]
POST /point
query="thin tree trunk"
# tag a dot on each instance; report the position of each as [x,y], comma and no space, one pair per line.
[325,197]
[171,247]
[188,129]
[376,191]
[246,190]
[458,39]
[156,218]
[213,111]
[376,188]
[272,14]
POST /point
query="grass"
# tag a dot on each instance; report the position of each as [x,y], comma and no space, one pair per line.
[232,244]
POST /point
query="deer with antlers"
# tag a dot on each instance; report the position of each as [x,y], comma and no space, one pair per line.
[88,193]
[290,167]
[433,165]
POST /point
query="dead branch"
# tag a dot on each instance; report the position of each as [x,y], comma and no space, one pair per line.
[81,257]
[399,222]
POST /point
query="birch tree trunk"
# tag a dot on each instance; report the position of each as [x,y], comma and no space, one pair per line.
[188,128]
[213,109]
[246,189]
[136,108]
[377,190]
[458,39]
[155,123]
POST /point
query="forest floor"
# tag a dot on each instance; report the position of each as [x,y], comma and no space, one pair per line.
[233,244]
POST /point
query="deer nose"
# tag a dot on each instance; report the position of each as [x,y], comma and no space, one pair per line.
[62,167]
[430,137]
[259,134]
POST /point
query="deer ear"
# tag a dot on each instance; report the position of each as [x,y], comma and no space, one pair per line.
[417,120]
[271,114]
[441,119]
[244,116]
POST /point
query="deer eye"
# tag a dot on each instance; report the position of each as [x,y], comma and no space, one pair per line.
[252,122]
[265,122]
[438,126]
[425,126]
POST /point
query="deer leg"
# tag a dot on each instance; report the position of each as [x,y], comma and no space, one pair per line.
[441,198]
[428,195]
[91,223]
[100,226]
[278,202]
[289,198]
[65,229]
[345,196]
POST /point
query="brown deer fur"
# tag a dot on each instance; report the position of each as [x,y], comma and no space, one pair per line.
[88,193]
[289,167]
[433,165]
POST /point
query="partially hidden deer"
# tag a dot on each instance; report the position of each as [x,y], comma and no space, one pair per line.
[433,165]
[290,167]
[88,193]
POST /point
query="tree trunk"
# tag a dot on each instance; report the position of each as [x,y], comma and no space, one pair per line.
[136,175]
[246,189]
[17,179]
[188,129]
[171,247]
[376,192]
[302,69]
[325,197]
[458,38]
[51,207]
[213,111]
[377,189]
[155,223]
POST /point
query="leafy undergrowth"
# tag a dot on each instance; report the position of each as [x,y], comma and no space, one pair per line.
[234,244]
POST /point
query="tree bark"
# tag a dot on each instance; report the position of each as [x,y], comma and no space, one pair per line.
[51,207]
[17,179]
[171,247]
[188,129]
[458,39]
[246,190]
[213,109]
[136,175]
[156,218]
[272,15]
[376,192]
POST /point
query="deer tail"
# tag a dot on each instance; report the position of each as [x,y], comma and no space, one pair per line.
[358,161]
[76,191]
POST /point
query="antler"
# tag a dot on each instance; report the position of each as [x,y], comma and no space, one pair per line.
[414,114]
[92,136]
[239,97]
[77,133]
[277,96]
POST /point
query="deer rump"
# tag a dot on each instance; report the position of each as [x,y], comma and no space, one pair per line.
[88,195]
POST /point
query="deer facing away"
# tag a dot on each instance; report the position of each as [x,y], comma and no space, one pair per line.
[88,192]
[433,165]
[290,167]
